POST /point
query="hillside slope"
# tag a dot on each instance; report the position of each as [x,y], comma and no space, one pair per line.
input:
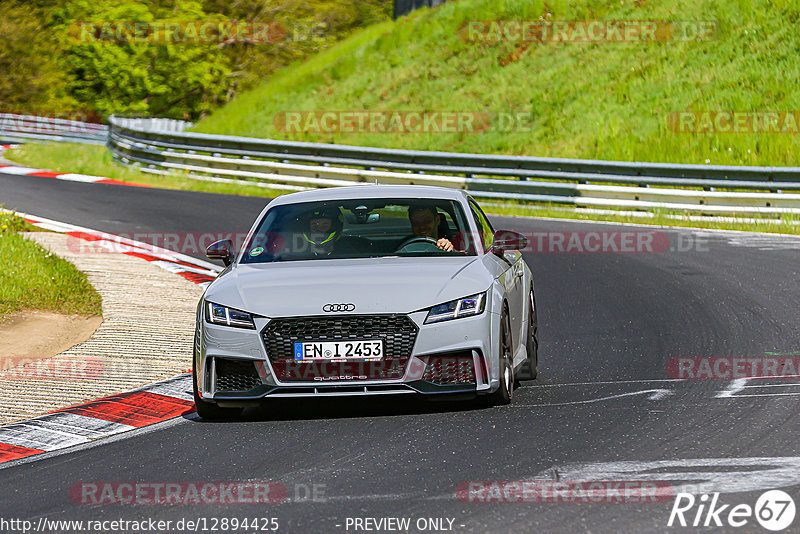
[607,100]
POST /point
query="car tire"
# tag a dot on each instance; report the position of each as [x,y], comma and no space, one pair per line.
[530,369]
[505,391]
[209,410]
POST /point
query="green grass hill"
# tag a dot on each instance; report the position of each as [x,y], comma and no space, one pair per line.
[600,99]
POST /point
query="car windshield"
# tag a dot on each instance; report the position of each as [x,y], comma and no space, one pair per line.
[360,229]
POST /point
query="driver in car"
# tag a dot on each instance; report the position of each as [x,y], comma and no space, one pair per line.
[425,223]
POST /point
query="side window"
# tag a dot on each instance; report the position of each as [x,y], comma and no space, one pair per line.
[486,231]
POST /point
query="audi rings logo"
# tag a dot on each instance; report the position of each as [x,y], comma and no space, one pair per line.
[328,308]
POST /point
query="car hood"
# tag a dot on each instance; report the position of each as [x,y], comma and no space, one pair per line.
[373,285]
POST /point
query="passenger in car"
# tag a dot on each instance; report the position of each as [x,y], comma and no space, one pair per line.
[324,228]
[323,235]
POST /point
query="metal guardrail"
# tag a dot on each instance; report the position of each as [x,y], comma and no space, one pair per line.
[21,128]
[161,145]
[404,7]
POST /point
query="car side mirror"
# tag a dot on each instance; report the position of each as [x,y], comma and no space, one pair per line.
[221,250]
[505,240]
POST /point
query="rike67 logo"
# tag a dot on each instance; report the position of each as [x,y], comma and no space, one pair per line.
[774,510]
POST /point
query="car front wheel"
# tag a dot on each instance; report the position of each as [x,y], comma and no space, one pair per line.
[530,369]
[505,391]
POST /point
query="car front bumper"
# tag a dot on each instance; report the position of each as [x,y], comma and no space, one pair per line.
[234,366]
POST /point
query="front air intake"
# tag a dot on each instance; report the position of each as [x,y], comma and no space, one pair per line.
[236,375]
[455,368]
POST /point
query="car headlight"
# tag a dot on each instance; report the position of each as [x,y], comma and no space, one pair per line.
[223,315]
[455,309]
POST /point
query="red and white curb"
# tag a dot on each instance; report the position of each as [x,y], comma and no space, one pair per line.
[197,271]
[107,416]
[101,418]
[27,171]
[69,176]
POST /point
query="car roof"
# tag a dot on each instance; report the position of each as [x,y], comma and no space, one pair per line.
[371,191]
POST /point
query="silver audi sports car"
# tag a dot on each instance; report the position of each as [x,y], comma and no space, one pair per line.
[366,290]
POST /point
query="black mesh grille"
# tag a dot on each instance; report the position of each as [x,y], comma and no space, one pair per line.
[234,375]
[450,369]
[398,333]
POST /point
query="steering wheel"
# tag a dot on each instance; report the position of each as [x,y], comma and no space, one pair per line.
[423,244]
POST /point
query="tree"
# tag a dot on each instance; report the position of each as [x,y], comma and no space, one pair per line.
[31,80]
[116,72]
[72,54]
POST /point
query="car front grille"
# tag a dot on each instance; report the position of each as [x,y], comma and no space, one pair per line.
[398,333]
[235,375]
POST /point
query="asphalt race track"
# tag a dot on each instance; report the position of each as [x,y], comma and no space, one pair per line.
[605,407]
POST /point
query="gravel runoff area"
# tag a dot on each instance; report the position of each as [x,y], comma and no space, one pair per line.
[146,335]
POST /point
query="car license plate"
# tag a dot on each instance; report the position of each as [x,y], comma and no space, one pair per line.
[351,349]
